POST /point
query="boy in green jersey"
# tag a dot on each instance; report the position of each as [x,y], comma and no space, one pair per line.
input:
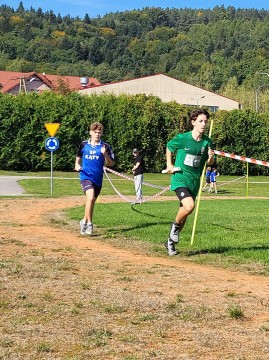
[192,151]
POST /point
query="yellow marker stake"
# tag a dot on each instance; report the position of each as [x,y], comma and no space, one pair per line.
[199,193]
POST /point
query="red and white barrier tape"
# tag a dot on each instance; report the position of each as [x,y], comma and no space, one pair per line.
[228,182]
[164,189]
[132,179]
[154,196]
[242,158]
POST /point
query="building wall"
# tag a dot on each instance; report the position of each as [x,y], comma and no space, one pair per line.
[167,89]
[36,85]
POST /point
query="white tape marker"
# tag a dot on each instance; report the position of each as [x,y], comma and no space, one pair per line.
[175,169]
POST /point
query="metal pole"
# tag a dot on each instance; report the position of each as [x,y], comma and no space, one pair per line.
[51,170]
[256,98]
[263,73]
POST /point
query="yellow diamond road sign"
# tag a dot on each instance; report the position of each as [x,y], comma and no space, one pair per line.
[52,128]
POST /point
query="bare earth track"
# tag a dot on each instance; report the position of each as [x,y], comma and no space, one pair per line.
[65,296]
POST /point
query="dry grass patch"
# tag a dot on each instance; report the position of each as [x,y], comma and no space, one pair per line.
[68,297]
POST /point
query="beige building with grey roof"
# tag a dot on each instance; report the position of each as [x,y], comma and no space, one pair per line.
[167,89]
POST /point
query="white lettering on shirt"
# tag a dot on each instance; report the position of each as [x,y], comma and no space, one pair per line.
[92,157]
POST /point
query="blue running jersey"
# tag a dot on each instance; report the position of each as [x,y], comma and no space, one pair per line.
[93,161]
[213,176]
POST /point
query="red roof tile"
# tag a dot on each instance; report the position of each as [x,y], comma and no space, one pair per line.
[11,79]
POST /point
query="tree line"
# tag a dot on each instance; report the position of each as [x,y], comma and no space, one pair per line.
[136,121]
[222,50]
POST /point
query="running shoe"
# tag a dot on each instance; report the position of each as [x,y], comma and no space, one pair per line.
[83,227]
[89,229]
[174,232]
[171,248]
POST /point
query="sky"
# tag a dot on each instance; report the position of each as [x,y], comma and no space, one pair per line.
[100,7]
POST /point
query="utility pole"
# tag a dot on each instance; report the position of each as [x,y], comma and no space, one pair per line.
[197,100]
[256,98]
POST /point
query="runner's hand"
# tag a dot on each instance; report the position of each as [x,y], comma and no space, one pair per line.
[210,153]
[104,149]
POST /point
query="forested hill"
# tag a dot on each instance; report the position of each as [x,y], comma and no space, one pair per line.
[221,50]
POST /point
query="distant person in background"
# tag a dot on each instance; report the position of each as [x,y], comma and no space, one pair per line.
[91,157]
[138,171]
[213,180]
[207,178]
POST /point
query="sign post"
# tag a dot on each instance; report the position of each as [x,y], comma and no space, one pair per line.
[51,145]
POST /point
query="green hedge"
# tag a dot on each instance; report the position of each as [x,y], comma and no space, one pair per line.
[242,133]
[140,121]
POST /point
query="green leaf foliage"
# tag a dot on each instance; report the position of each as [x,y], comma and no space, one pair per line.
[244,133]
[140,121]
[223,49]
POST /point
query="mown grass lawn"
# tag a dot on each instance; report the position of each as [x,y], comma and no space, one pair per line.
[231,228]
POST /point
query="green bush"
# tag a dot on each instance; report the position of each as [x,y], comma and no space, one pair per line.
[140,121]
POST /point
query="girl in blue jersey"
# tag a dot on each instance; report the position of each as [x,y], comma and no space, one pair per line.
[213,180]
[207,178]
[91,157]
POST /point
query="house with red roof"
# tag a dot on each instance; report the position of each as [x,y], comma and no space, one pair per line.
[15,82]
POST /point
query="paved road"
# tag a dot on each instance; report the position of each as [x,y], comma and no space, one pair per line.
[9,185]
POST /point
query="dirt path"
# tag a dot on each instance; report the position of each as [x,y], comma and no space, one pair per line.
[189,306]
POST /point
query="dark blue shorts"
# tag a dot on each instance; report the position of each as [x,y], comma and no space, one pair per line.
[88,184]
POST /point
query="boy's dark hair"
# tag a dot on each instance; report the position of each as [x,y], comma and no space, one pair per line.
[195,113]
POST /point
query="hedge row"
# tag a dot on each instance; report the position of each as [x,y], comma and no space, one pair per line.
[140,121]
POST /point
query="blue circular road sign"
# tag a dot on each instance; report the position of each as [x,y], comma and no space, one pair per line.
[52,143]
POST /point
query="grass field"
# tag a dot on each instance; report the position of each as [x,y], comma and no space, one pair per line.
[117,295]
[67,183]
[230,231]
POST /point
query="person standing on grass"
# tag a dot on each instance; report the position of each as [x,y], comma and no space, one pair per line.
[193,150]
[138,171]
[207,178]
[91,157]
[213,181]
